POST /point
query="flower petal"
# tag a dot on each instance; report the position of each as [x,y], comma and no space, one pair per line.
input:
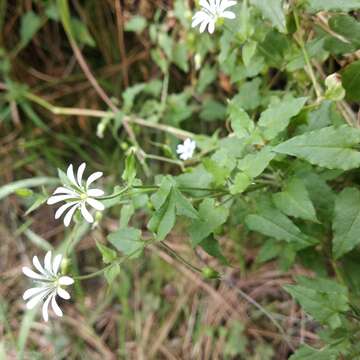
[96,204]
[38,266]
[64,190]
[63,293]
[66,280]
[57,198]
[70,175]
[56,264]
[32,274]
[95,192]
[33,291]
[47,262]
[45,308]
[64,207]
[80,173]
[85,213]
[69,215]
[36,299]
[228,15]
[93,177]
[55,306]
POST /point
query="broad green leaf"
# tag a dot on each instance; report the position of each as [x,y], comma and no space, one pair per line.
[272,10]
[348,27]
[295,201]
[346,224]
[30,24]
[271,222]
[212,216]
[126,212]
[240,120]
[111,273]
[254,164]
[212,110]
[309,353]
[351,81]
[323,299]
[277,117]
[183,205]
[128,241]
[329,5]
[330,147]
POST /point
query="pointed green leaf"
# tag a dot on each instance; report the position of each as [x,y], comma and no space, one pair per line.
[273,11]
[295,201]
[128,241]
[331,147]
[346,225]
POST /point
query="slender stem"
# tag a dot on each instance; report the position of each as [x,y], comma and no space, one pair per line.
[311,73]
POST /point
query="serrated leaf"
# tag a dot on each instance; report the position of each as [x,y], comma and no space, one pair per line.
[128,241]
[329,5]
[309,353]
[295,201]
[273,11]
[254,164]
[277,117]
[211,218]
[240,120]
[271,222]
[323,299]
[346,224]
[330,147]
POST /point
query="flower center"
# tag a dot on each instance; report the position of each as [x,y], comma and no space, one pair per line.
[83,196]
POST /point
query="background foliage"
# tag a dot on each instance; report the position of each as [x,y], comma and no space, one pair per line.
[119,85]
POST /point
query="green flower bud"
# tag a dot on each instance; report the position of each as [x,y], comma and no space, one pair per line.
[209,273]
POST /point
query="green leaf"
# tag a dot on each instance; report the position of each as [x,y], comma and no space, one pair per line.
[346,224]
[323,299]
[183,205]
[241,182]
[30,24]
[309,353]
[163,220]
[108,255]
[295,201]
[241,123]
[129,173]
[248,51]
[81,33]
[271,222]
[111,273]
[273,11]
[351,81]
[136,24]
[180,56]
[346,26]
[329,5]
[254,164]
[211,218]
[8,189]
[330,147]
[212,247]
[128,241]
[277,117]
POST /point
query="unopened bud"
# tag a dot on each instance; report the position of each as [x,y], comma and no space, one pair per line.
[334,88]
[209,273]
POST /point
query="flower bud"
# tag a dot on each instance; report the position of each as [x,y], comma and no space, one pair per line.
[209,273]
[334,88]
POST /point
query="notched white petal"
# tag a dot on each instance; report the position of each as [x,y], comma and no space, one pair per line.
[96,204]
[63,293]
[55,306]
[66,280]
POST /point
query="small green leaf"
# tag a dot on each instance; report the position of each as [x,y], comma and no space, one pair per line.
[136,24]
[30,24]
[277,117]
[111,273]
[346,225]
[254,164]
[308,353]
[295,201]
[108,255]
[129,173]
[211,218]
[330,5]
[248,51]
[212,247]
[241,123]
[330,147]
[351,81]
[241,182]
[183,205]
[128,241]
[272,10]
[323,299]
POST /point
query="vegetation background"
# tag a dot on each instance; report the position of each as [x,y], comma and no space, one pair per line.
[134,72]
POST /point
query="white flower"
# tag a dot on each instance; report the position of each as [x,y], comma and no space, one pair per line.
[77,195]
[186,150]
[49,283]
[211,11]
